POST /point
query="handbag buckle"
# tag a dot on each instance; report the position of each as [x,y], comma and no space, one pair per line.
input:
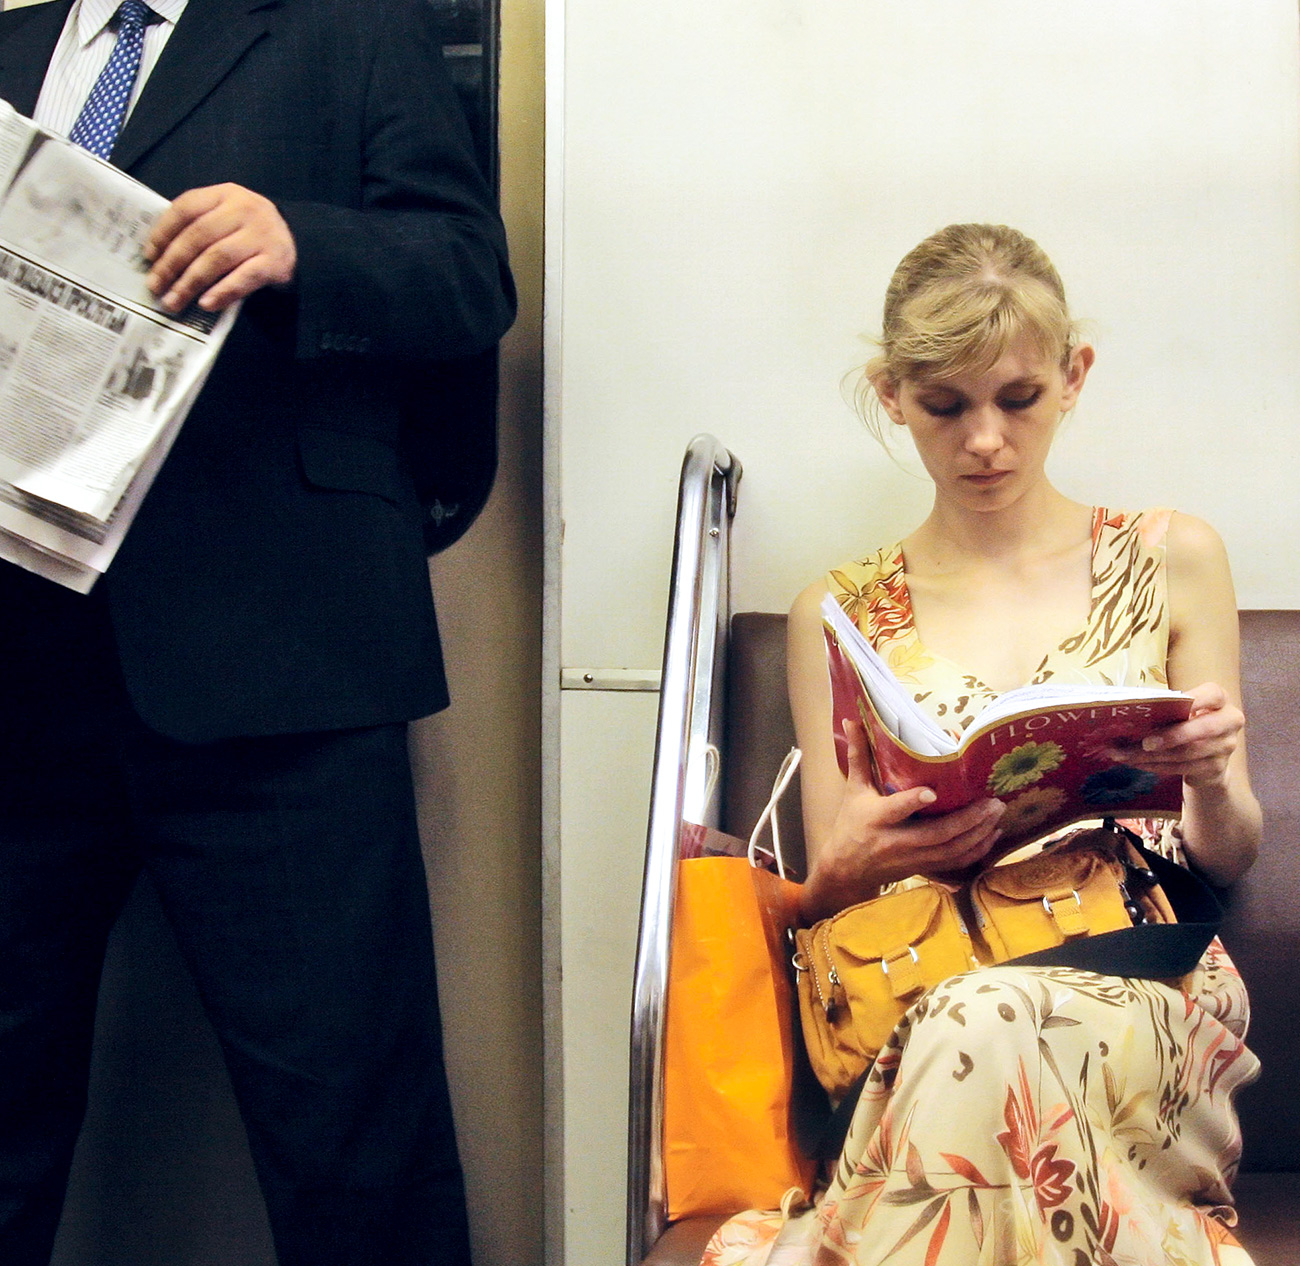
[884,962]
[905,979]
[1070,922]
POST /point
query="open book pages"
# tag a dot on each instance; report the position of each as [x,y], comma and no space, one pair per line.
[95,377]
[1046,750]
[912,725]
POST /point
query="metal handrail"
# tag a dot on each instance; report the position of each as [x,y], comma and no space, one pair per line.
[690,723]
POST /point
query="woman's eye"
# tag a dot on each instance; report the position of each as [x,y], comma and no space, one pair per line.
[942,409]
[1021,402]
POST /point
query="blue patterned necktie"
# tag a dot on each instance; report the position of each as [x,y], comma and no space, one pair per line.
[101,117]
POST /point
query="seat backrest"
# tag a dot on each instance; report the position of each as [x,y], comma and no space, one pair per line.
[759,730]
[1262,928]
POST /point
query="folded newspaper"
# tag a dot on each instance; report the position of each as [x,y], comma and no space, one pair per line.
[95,377]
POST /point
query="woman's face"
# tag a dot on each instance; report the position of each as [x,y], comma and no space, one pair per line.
[984,437]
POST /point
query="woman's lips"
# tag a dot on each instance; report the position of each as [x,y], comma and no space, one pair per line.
[986,479]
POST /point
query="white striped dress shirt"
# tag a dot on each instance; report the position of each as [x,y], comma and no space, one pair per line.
[83,51]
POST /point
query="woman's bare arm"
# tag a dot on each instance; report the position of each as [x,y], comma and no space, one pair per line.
[856,838]
[1221,817]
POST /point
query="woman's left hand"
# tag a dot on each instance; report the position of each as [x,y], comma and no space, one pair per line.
[1196,750]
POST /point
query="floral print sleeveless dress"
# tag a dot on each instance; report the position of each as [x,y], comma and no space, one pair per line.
[1035,1115]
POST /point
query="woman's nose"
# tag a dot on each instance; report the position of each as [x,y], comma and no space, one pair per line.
[984,431]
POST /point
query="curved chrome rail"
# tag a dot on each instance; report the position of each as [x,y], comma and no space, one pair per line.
[690,722]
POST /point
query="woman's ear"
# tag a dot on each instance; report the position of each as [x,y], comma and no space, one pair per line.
[887,392]
[1076,371]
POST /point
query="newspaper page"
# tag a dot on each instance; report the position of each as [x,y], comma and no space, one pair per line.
[95,377]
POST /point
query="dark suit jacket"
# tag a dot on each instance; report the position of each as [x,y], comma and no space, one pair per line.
[275,580]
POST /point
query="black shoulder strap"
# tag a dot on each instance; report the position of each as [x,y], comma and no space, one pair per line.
[1154,951]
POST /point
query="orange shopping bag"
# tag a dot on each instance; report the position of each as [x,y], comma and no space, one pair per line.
[729,1141]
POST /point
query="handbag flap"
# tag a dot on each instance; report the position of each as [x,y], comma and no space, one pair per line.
[869,931]
[1028,880]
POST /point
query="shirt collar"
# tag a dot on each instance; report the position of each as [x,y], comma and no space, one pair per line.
[94,15]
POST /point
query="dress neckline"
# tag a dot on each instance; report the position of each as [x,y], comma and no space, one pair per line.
[897,578]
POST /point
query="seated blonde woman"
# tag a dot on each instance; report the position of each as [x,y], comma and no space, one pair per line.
[1022,1115]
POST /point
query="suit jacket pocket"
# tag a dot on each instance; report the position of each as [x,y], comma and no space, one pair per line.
[343,462]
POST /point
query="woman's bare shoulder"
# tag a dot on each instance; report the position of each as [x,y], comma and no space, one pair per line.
[1195,553]
[1202,604]
[807,603]
[1194,538]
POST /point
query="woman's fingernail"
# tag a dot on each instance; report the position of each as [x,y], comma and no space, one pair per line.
[1152,743]
[927,796]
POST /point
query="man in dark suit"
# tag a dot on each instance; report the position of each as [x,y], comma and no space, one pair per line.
[227,709]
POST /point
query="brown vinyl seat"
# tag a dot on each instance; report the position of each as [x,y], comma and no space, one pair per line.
[1261,931]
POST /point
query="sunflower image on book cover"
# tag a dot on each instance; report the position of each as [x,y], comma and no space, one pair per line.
[1024,766]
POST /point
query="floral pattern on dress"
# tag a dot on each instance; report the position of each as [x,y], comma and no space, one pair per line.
[1005,1123]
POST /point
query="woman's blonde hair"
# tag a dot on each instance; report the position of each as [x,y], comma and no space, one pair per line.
[956,303]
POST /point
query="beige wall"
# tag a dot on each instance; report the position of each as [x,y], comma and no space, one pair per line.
[478,765]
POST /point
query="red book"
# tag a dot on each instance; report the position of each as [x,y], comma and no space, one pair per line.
[1041,749]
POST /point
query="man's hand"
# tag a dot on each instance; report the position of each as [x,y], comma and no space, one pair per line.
[218,244]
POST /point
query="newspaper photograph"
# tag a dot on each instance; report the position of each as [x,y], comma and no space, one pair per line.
[95,377]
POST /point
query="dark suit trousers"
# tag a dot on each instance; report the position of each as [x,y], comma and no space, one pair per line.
[290,870]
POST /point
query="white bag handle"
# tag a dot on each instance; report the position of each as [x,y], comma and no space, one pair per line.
[769,814]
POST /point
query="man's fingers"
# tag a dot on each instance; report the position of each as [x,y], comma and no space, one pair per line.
[188,207]
[218,261]
[249,276]
[197,250]
[222,243]
[229,269]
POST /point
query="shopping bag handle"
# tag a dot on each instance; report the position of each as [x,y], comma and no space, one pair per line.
[769,815]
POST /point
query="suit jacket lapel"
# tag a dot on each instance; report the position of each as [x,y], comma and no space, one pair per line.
[25,53]
[209,40]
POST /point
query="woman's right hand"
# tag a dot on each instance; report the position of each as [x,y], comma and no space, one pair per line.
[874,841]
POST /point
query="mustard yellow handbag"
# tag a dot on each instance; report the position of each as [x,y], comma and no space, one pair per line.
[860,970]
